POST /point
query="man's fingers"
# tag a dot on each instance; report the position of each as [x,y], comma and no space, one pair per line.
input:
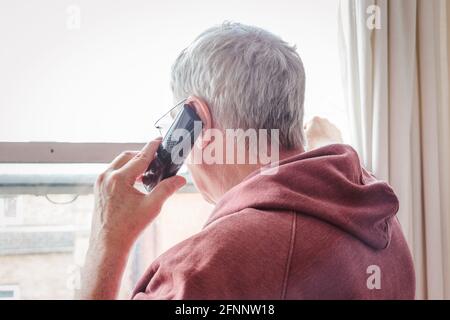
[137,165]
[165,189]
[122,159]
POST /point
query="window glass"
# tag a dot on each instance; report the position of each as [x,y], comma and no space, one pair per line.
[44,253]
[99,70]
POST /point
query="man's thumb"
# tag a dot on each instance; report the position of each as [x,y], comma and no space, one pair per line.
[166,188]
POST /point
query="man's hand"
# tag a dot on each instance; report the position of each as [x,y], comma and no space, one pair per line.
[321,132]
[121,213]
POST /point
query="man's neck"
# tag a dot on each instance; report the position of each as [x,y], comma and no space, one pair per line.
[232,175]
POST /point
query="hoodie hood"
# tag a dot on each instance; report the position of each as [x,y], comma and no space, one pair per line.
[326,183]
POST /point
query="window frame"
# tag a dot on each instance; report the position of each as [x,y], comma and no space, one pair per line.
[61,153]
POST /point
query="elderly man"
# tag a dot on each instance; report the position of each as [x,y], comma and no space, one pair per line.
[319,227]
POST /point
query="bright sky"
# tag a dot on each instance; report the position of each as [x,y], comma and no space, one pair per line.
[109,79]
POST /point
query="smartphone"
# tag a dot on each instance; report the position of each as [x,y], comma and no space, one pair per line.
[174,148]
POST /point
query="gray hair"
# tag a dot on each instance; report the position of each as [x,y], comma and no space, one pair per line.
[249,77]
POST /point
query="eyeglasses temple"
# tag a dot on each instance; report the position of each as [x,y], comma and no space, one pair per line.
[168,112]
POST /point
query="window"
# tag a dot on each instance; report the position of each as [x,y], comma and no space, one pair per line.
[82,82]
[94,71]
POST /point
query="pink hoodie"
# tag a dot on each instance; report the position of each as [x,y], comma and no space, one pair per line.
[322,228]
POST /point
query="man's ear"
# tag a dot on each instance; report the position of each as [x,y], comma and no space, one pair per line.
[202,109]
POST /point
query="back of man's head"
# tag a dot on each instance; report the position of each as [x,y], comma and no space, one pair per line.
[250,78]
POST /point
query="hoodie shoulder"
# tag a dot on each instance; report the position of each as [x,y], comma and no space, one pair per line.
[226,260]
[328,184]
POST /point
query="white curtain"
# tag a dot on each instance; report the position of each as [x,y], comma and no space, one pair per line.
[395,65]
